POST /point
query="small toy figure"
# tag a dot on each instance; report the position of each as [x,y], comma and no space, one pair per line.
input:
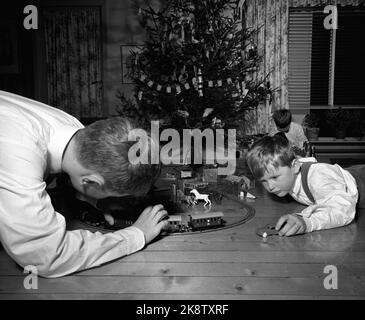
[186,198]
[201,196]
[268,230]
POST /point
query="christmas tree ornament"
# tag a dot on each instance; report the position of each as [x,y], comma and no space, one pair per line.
[200,83]
[219,83]
[140,94]
[251,52]
[210,83]
[183,113]
[243,55]
[182,33]
[150,83]
[210,30]
[178,89]
[207,112]
[187,86]
[195,83]
[217,123]
[183,77]
[174,77]
[143,77]
[136,59]
[159,87]
[168,89]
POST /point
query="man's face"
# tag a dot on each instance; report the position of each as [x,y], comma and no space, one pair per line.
[280,180]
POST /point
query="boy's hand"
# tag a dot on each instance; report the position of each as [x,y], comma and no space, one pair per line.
[151,223]
[290,224]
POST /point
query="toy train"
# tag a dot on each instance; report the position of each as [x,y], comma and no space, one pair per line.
[195,222]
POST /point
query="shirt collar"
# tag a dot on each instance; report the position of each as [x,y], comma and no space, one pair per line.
[59,139]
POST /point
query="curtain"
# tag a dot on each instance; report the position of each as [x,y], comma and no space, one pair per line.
[73,57]
[270,19]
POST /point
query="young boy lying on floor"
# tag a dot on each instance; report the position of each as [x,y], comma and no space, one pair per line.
[331,192]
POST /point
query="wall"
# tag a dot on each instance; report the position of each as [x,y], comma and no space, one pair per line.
[20,79]
[122,28]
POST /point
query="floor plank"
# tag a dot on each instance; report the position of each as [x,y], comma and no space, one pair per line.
[348,286]
[279,270]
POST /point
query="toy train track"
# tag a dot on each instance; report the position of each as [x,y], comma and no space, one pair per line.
[183,220]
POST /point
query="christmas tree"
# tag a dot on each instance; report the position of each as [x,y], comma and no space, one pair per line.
[197,66]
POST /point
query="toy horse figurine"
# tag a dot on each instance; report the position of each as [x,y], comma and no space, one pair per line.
[201,196]
[184,198]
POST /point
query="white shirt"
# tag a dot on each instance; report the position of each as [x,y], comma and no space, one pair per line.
[335,193]
[295,135]
[33,137]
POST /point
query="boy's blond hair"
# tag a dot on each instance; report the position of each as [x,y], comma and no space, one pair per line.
[275,151]
[103,147]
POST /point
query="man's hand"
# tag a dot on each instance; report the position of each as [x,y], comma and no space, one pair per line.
[290,224]
[151,223]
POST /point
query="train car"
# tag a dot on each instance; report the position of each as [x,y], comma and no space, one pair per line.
[175,223]
[178,223]
[194,222]
[206,220]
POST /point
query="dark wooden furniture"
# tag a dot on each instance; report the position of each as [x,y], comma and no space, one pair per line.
[345,152]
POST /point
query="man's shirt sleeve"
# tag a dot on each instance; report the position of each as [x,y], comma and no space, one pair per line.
[33,233]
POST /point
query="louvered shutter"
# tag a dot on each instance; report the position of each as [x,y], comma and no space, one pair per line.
[300,38]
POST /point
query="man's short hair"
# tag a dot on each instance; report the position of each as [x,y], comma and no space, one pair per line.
[275,151]
[282,119]
[103,147]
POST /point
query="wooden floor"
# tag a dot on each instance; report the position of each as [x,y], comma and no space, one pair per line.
[227,264]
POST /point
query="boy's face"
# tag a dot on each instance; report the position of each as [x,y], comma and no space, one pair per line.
[280,180]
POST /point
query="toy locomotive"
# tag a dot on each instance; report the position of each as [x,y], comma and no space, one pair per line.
[195,222]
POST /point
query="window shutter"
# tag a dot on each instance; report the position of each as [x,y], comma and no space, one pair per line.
[299,64]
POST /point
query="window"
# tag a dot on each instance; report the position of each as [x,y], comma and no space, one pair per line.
[326,67]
